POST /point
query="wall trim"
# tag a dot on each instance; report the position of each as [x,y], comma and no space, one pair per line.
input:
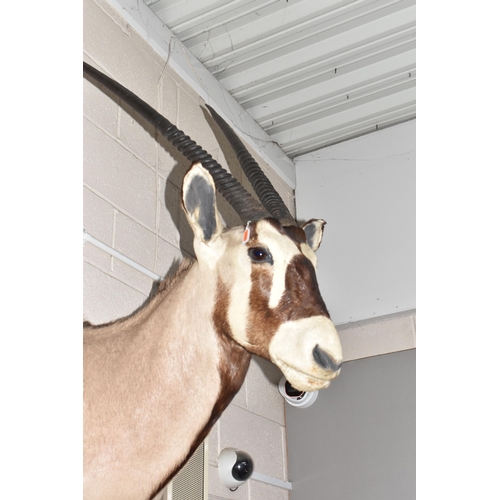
[264,478]
[380,335]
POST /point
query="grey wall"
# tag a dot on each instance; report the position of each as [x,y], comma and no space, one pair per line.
[357,441]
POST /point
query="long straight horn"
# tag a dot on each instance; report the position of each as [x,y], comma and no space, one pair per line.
[238,197]
[269,197]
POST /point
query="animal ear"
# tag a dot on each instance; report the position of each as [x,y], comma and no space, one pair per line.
[314,232]
[198,201]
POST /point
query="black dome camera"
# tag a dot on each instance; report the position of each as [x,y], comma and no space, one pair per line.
[295,397]
[235,467]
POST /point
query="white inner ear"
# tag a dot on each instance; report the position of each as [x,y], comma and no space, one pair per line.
[314,232]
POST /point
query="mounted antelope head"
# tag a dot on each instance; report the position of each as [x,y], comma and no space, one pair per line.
[156,382]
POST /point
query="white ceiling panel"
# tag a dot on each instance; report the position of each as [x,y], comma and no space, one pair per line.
[311,72]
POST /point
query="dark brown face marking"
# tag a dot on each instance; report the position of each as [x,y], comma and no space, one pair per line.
[301,287]
[300,300]
[296,234]
[234,360]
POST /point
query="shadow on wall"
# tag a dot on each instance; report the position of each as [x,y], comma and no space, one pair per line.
[181,166]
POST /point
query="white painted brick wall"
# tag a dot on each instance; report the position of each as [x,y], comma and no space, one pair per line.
[254,422]
[132,203]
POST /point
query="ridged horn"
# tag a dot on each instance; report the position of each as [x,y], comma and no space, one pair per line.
[238,197]
[268,196]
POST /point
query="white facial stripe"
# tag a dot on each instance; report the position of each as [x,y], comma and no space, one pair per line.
[283,250]
[278,286]
[238,310]
[241,284]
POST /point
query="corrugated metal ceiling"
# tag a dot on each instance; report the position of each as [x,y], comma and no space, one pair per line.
[311,72]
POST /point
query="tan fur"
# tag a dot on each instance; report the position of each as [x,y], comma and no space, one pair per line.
[142,379]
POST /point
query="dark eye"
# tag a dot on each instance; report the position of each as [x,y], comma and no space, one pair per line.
[259,254]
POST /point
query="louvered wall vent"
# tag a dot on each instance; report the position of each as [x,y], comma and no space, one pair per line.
[191,482]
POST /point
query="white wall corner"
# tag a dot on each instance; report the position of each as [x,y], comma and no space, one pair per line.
[382,335]
[365,190]
[180,59]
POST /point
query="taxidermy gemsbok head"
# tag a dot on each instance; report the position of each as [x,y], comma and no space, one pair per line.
[155,382]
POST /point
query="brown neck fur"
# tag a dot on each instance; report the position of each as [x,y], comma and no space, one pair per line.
[111,349]
[233,367]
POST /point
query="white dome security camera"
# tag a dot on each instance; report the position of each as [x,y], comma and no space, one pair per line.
[235,467]
[294,397]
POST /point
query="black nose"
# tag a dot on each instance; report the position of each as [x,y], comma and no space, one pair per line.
[325,360]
